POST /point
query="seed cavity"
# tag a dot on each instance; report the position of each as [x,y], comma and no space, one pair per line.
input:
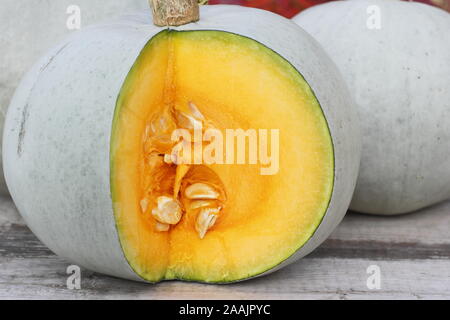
[201,191]
[172,189]
[168,211]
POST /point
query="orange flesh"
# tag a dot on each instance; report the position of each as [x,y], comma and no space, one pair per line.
[236,83]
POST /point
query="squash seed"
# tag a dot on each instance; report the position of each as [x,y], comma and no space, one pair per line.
[202,204]
[168,158]
[144,205]
[206,220]
[186,121]
[168,211]
[199,191]
[195,112]
[162,227]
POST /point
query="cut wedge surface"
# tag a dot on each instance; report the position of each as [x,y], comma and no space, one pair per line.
[234,83]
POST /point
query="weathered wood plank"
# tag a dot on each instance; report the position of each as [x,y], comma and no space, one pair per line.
[427,226]
[309,279]
[412,251]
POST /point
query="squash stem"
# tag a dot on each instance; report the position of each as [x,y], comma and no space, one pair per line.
[174,12]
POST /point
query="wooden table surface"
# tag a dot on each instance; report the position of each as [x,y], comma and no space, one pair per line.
[411,251]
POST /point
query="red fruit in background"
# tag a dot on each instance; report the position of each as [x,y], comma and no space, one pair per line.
[287,8]
[290,8]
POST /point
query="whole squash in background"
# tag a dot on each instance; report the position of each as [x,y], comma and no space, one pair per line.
[30,27]
[289,8]
[88,132]
[395,58]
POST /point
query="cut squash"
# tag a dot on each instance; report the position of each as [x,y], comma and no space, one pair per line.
[269,216]
[215,151]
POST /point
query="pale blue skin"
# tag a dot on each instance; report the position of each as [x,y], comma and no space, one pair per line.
[56,147]
[399,76]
